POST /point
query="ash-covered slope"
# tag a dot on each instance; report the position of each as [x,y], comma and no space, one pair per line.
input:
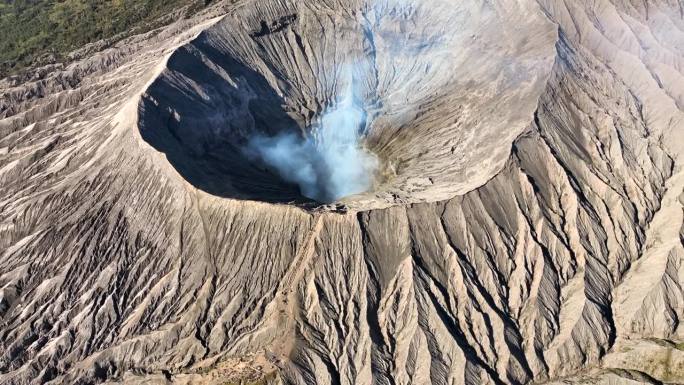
[528,226]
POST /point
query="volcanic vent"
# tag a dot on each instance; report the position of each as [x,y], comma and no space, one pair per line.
[388,103]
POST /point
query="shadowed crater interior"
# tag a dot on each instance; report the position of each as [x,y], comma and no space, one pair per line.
[201,114]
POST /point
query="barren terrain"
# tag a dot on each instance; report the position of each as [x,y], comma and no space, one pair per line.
[527,225]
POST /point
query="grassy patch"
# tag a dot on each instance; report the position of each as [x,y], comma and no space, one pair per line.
[36,32]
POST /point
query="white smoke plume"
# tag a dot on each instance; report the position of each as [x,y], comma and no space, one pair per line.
[328,163]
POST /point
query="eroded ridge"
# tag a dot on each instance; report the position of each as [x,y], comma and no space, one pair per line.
[561,264]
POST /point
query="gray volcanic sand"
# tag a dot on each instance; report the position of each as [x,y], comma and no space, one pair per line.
[526,224]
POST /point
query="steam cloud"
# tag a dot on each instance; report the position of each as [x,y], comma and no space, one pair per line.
[330,163]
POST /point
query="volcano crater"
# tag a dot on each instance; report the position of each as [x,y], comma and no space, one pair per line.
[437,112]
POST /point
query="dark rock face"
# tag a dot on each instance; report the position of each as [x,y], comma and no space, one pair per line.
[202,111]
[530,230]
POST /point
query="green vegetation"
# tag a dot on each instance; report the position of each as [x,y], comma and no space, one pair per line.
[34,32]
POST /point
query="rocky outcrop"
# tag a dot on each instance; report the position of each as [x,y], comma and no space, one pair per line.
[528,229]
